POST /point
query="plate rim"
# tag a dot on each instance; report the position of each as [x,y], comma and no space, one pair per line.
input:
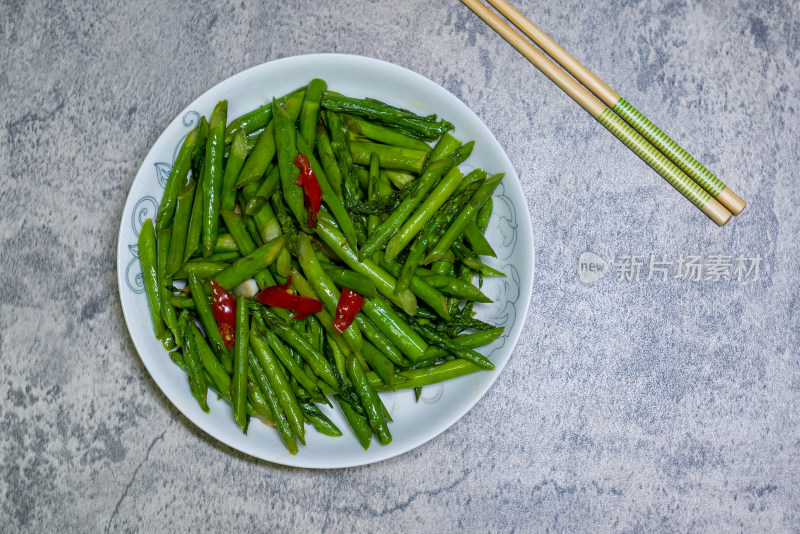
[525,289]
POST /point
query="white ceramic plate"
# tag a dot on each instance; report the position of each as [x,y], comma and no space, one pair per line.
[509,232]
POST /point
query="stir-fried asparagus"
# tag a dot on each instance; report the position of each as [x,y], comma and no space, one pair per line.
[332,299]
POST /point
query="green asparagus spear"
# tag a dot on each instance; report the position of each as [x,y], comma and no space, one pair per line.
[425,183]
[168,313]
[147,258]
[263,193]
[329,196]
[320,366]
[379,363]
[200,268]
[269,363]
[384,282]
[425,127]
[380,341]
[423,214]
[382,134]
[323,286]
[195,229]
[457,226]
[233,166]
[393,326]
[225,243]
[358,423]
[328,159]
[310,113]
[455,287]
[194,364]
[241,344]
[467,341]
[421,288]
[340,145]
[264,151]
[180,226]
[369,399]
[252,263]
[478,242]
[319,420]
[212,180]
[433,337]
[211,364]
[484,214]
[352,280]
[426,376]
[206,316]
[175,182]
[258,118]
[373,194]
[286,147]
[281,421]
[391,157]
[199,152]
[446,145]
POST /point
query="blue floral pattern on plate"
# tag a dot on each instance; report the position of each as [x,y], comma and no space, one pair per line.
[147,207]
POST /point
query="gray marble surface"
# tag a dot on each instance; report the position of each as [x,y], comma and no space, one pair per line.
[661,397]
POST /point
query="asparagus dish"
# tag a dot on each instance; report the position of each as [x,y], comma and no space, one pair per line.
[315,252]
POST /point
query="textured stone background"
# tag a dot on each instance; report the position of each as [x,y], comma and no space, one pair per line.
[627,406]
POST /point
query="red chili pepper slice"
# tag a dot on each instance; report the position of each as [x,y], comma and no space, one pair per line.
[280,297]
[350,303]
[224,307]
[313,194]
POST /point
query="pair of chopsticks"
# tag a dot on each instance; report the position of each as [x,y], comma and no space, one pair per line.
[657,149]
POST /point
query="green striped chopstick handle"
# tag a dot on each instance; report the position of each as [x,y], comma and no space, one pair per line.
[658,161]
[669,147]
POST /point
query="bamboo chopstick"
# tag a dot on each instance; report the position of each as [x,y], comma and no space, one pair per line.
[621,107]
[606,116]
